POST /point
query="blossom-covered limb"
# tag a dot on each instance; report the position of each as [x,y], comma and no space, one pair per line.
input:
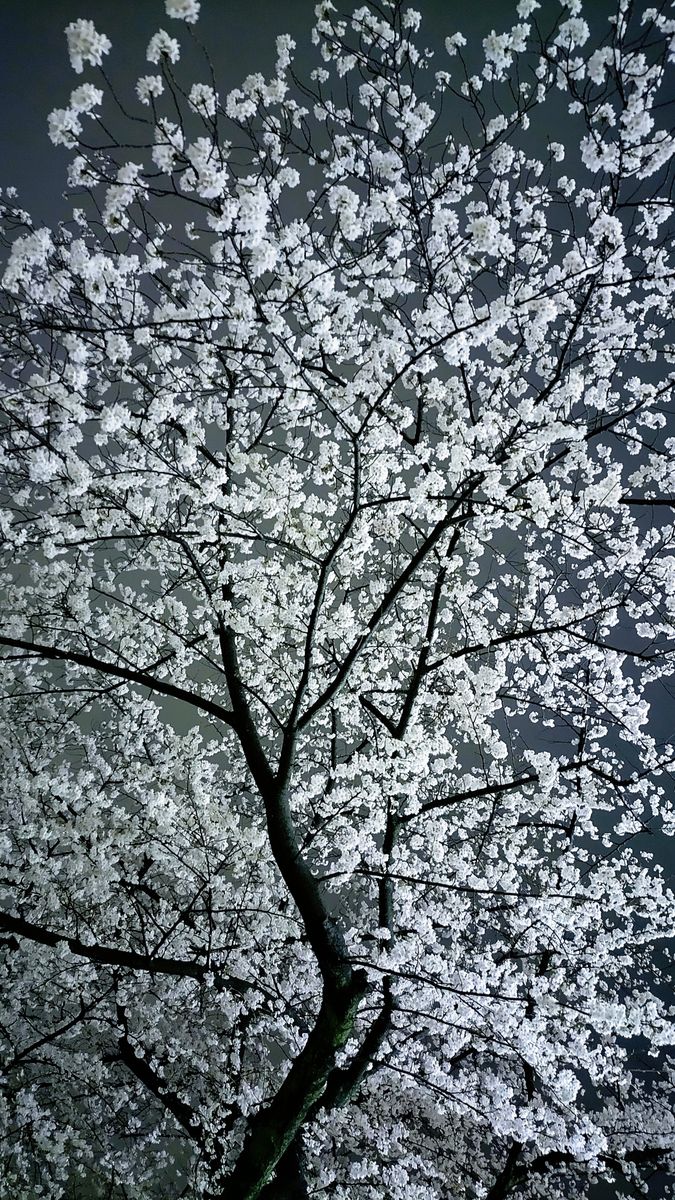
[37,651]
[128,959]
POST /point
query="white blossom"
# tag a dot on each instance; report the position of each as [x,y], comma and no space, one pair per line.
[484,233]
[454,42]
[203,99]
[498,50]
[208,176]
[161,45]
[85,97]
[169,142]
[148,87]
[344,202]
[85,45]
[183,10]
[64,127]
[574,32]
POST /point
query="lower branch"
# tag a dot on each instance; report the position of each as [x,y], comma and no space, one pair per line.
[655,1158]
[130,674]
[139,1066]
[515,1172]
[114,957]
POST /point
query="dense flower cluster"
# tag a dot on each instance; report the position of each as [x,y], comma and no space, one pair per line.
[85,45]
[183,10]
[162,46]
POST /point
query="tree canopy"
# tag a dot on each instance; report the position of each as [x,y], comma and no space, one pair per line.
[336,550]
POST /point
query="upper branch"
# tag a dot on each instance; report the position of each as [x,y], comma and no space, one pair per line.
[381,611]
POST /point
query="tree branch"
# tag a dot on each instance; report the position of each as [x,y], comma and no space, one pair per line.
[129,959]
[136,1061]
[666,501]
[130,674]
[382,609]
[502,1184]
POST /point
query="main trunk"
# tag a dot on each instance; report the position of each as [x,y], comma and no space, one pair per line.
[272,1130]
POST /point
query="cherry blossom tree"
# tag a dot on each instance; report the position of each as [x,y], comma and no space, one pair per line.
[337,562]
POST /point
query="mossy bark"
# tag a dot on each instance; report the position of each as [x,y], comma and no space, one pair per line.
[273,1129]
